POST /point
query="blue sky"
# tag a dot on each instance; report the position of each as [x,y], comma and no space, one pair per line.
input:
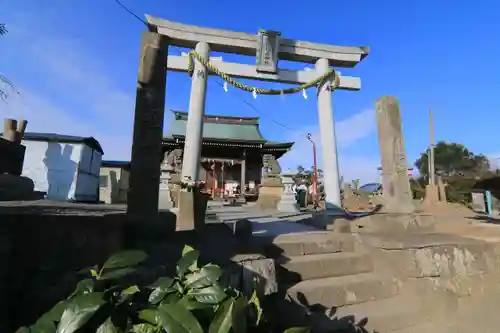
[75,65]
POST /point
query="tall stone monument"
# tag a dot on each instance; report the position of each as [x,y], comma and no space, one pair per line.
[396,183]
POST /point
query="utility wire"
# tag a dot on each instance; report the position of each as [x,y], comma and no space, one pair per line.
[132,13]
[253,107]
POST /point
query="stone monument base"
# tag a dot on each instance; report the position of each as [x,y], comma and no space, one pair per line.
[270,192]
[288,202]
[164,199]
[13,187]
[191,211]
[431,196]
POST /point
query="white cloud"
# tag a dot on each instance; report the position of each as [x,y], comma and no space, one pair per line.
[45,117]
[494,159]
[348,132]
[86,102]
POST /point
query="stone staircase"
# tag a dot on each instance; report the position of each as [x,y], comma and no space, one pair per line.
[329,284]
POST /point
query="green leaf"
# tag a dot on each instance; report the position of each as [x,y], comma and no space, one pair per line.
[192,304]
[94,273]
[79,311]
[163,282]
[152,316]
[144,328]
[162,286]
[239,315]
[206,276]
[23,330]
[56,312]
[43,325]
[83,287]
[108,327]
[125,259]
[209,295]
[116,274]
[171,298]
[131,290]
[256,303]
[297,330]
[177,319]
[188,261]
[223,320]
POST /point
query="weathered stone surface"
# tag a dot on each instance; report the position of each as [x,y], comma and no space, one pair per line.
[396,184]
[43,252]
[242,228]
[192,210]
[287,202]
[13,187]
[319,266]
[260,273]
[148,127]
[309,243]
[269,194]
[344,290]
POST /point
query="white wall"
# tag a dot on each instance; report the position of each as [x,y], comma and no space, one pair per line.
[87,188]
[52,166]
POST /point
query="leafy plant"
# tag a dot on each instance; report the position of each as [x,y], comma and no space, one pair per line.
[193,301]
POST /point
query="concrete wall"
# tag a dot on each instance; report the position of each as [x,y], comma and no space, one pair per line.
[114,185]
[64,171]
[42,253]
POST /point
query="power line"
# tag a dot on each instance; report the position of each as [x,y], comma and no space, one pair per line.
[253,107]
[132,13]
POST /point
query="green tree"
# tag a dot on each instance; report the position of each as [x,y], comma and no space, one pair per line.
[453,159]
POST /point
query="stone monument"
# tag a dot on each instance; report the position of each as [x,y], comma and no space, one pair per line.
[271,188]
[164,197]
[396,183]
[288,203]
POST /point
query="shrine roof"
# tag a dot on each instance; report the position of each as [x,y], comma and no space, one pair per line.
[222,128]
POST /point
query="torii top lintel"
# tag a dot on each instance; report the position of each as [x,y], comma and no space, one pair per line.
[184,35]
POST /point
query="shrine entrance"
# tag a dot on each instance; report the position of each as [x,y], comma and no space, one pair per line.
[268,47]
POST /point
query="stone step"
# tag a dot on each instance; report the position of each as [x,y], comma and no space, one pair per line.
[386,315]
[319,266]
[343,290]
[305,243]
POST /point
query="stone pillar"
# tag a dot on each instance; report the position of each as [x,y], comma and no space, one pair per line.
[288,203]
[164,197]
[194,129]
[396,183]
[243,173]
[442,189]
[148,127]
[328,141]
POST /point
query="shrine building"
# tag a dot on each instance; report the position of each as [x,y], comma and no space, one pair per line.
[233,150]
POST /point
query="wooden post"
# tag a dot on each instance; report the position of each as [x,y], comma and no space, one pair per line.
[148,127]
[396,182]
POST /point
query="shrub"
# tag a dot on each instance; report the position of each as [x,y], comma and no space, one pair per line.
[193,301]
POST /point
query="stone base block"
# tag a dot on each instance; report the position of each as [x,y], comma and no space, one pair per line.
[431,195]
[269,196]
[191,211]
[164,199]
[330,221]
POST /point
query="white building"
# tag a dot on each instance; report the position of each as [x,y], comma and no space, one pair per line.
[65,167]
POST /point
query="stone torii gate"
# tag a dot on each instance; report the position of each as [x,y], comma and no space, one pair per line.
[268,47]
